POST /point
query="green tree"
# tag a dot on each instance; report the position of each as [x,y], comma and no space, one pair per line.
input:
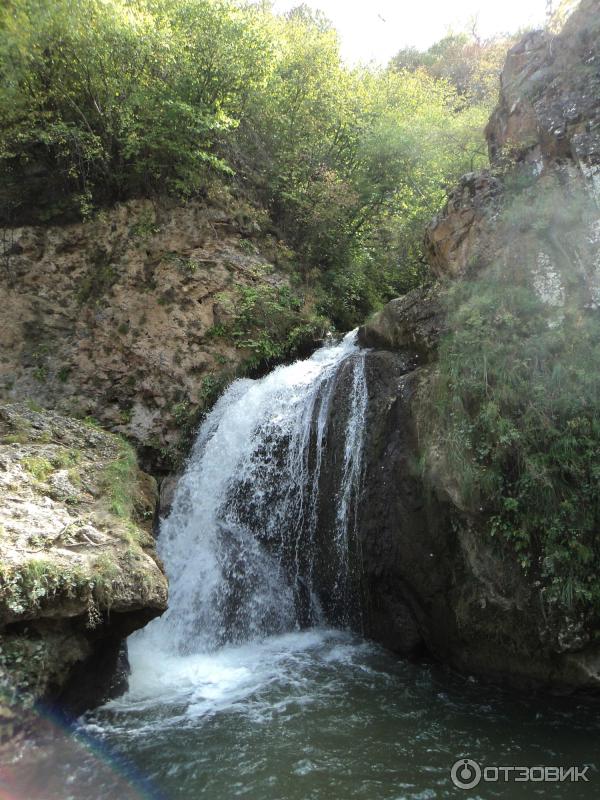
[468,62]
[101,100]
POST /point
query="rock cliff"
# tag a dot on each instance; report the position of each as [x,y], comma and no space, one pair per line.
[78,568]
[436,579]
[139,315]
[543,140]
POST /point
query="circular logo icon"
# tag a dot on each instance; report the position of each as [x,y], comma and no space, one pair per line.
[466,773]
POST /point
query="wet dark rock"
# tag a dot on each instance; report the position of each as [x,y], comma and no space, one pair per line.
[166,495]
[99,678]
[401,530]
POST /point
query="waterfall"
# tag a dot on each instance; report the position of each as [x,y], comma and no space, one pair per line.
[241,543]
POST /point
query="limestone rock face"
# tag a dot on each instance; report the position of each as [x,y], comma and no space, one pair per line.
[514,122]
[463,232]
[434,578]
[78,566]
[121,317]
[548,108]
[544,136]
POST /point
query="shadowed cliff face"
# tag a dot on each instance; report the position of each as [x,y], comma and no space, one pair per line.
[432,579]
[435,576]
[397,528]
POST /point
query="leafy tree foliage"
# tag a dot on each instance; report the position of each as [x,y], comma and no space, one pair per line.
[105,99]
[468,62]
[101,100]
[557,13]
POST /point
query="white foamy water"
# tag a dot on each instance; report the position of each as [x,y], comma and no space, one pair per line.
[239,544]
[231,679]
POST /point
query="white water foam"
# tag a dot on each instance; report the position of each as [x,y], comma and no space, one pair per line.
[239,543]
[206,683]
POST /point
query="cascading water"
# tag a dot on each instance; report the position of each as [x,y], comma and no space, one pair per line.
[241,689]
[239,544]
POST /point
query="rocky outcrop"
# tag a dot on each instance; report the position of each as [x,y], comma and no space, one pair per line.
[78,568]
[435,579]
[462,234]
[135,316]
[414,323]
[548,110]
[544,142]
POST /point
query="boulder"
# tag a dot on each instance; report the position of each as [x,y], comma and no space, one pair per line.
[78,566]
[413,323]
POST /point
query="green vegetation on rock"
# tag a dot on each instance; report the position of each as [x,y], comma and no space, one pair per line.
[40,468]
[119,481]
[514,415]
[40,579]
[103,100]
[265,321]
